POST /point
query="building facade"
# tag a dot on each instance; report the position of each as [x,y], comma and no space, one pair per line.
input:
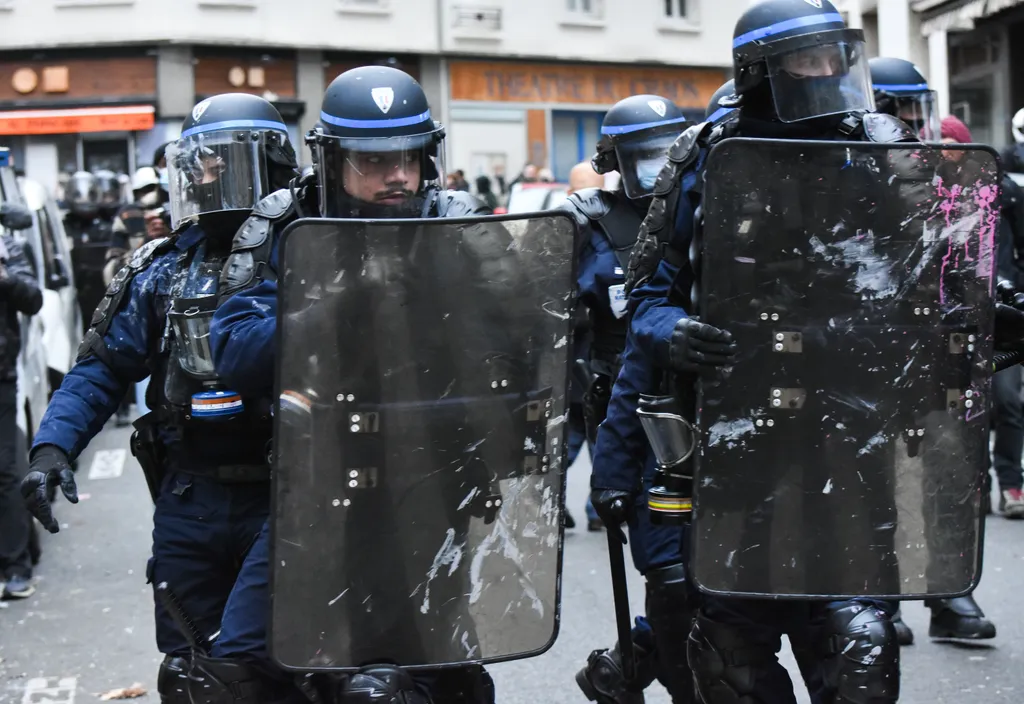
[966,48]
[101,83]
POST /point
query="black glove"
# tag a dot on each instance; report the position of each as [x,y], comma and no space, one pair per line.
[1009,328]
[49,468]
[613,506]
[701,348]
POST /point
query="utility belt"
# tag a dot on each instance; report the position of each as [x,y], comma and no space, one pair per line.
[149,447]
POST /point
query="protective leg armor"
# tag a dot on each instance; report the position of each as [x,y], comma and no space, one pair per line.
[235,681]
[861,658]
[671,607]
[381,684]
[172,680]
[731,665]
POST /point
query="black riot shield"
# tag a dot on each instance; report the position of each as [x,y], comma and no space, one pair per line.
[420,458]
[843,455]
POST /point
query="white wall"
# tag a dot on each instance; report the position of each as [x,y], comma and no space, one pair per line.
[623,30]
[471,140]
[406,25]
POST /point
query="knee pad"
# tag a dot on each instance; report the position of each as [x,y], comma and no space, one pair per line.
[862,656]
[671,607]
[172,680]
[728,664]
[471,684]
[236,681]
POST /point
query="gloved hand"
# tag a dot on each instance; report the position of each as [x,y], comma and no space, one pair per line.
[701,348]
[613,506]
[49,468]
[1009,328]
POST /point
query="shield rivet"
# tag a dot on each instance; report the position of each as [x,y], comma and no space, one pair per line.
[336,503]
[779,336]
[354,473]
[777,393]
[353,484]
[927,311]
[970,348]
[346,502]
[497,502]
[504,383]
[494,384]
[971,338]
[351,398]
[968,393]
[968,403]
[764,316]
[776,402]
[355,418]
[488,503]
[339,398]
[779,347]
[771,423]
[917,311]
[354,428]
[920,432]
[775,316]
[759,423]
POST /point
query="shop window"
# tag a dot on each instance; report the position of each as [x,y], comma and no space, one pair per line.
[110,154]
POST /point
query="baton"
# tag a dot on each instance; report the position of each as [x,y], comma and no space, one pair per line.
[620,596]
[196,640]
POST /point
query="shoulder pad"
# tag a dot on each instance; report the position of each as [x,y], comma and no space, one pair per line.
[594,203]
[880,127]
[144,255]
[459,204]
[274,206]
[253,232]
[685,149]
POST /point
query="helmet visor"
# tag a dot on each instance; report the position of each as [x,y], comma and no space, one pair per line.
[640,162]
[82,191]
[919,111]
[369,177]
[819,80]
[215,172]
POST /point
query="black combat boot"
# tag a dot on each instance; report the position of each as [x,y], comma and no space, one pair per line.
[960,618]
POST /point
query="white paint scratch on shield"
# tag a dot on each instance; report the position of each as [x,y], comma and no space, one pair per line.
[50,690]
[107,464]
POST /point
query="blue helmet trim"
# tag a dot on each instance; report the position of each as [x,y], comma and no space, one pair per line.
[626,129]
[236,125]
[375,124]
[720,114]
[904,87]
[785,26]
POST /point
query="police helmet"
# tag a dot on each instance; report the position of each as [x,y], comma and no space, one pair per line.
[82,194]
[716,112]
[796,60]
[901,90]
[635,136]
[1017,126]
[110,191]
[233,151]
[376,148]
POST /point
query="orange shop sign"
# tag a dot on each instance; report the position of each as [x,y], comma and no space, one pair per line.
[132,118]
[507,81]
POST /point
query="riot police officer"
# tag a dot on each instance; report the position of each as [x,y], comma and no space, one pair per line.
[799,73]
[377,154]
[902,91]
[110,194]
[204,450]
[636,134]
[90,236]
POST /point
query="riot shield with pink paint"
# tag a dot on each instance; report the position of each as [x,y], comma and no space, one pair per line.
[844,454]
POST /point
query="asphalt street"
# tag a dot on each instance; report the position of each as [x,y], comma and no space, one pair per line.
[89,627]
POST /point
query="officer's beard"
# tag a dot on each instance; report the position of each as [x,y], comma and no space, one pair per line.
[351,207]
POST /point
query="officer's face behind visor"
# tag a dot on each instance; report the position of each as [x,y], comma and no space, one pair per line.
[815,81]
[215,172]
[385,171]
[919,112]
[640,162]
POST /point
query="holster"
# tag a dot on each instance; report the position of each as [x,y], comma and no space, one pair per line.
[595,405]
[148,448]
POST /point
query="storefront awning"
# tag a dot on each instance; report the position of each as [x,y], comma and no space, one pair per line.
[962,16]
[130,118]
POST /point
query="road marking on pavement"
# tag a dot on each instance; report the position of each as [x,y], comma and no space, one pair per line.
[50,690]
[107,464]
